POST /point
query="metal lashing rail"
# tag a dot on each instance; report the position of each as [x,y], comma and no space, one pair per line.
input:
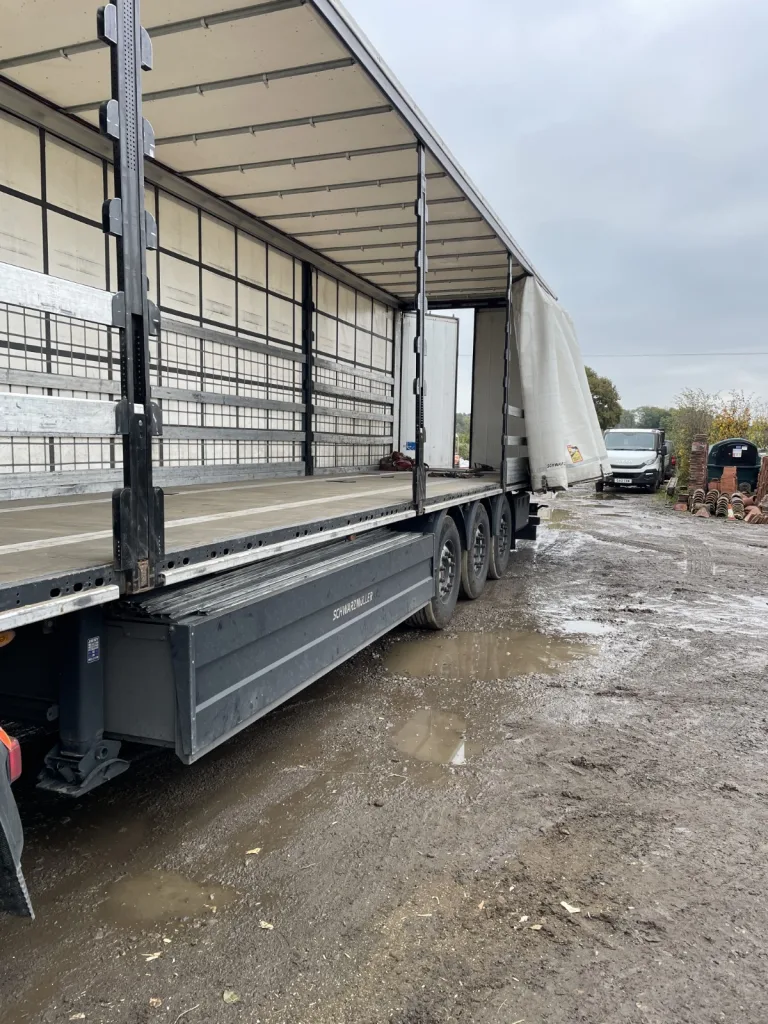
[508,328]
[419,471]
[308,348]
[137,507]
[514,447]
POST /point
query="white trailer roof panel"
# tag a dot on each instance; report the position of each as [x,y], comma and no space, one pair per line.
[283,109]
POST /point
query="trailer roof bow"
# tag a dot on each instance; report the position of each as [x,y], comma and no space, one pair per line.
[284,109]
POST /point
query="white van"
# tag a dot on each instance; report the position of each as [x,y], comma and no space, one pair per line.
[637,457]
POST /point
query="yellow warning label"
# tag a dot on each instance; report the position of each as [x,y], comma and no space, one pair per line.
[575,454]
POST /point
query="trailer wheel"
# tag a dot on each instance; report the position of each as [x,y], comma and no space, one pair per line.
[439,612]
[501,543]
[476,556]
[599,486]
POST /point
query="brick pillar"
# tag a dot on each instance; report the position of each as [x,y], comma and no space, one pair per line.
[697,474]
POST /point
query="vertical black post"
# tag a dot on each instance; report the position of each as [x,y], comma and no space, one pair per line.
[508,328]
[420,472]
[83,758]
[137,507]
[308,349]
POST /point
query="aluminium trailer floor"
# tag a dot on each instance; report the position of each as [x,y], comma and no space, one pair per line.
[49,539]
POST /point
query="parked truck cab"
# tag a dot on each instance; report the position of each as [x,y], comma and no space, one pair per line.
[638,457]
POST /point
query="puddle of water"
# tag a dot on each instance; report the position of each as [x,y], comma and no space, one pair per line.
[583,627]
[473,657]
[160,896]
[555,517]
[433,736]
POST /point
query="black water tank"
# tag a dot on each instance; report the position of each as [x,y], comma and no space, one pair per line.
[735,451]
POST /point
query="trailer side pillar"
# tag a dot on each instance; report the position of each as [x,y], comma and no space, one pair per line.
[420,470]
[82,759]
[137,507]
[508,329]
[308,349]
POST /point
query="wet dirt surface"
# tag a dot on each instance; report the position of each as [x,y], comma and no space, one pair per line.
[554,812]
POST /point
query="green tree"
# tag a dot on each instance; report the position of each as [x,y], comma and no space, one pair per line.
[758,431]
[606,399]
[652,417]
[732,417]
[692,414]
[627,418]
[463,425]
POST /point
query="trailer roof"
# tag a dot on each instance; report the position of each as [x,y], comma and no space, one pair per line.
[284,109]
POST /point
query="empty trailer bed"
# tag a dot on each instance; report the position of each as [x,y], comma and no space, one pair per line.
[50,545]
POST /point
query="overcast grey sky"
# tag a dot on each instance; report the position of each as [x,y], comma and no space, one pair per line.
[624,143]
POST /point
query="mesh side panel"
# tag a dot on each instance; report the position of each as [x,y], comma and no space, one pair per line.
[359,335]
[35,346]
[224,373]
[36,350]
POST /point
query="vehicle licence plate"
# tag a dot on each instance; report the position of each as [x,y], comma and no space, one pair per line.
[622,480]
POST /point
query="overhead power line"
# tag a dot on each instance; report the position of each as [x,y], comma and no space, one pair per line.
[652,355]
[667,355]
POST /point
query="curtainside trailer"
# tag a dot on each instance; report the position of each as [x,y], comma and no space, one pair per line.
[221,232]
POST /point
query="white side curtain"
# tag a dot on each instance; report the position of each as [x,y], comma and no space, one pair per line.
[565,443]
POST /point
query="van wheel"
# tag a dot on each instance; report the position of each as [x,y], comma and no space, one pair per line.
[475,559]
[439,612]
[501,542]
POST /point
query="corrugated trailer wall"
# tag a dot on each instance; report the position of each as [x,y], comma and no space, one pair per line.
[227,369]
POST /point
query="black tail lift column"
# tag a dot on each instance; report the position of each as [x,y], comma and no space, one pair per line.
[137,507]
[420,469]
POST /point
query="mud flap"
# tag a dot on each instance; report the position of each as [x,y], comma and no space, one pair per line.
[14,898]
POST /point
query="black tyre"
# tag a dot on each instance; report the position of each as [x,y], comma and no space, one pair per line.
[439,612]
[501,543]
[476,556]
[600,486]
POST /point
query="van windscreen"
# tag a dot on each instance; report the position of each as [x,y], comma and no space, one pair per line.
[629,441]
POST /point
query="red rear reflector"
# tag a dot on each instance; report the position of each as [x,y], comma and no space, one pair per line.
[14,754]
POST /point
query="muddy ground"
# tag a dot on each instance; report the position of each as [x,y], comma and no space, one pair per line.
[553,813]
